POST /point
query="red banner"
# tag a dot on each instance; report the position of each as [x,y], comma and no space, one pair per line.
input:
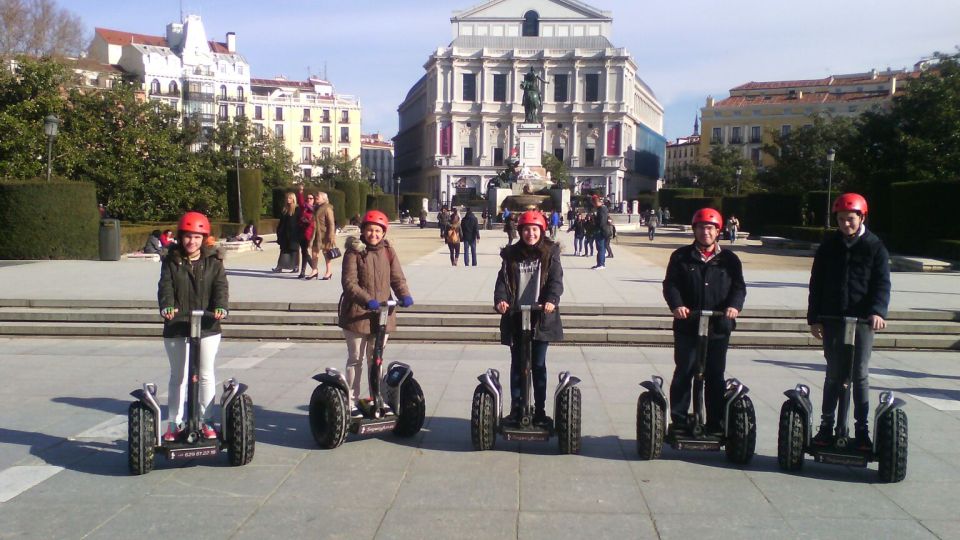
[446,140]
[613,140]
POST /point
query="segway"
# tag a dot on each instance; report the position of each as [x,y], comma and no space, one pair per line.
[889,425]
[486,412]
[401,411]
[739,433]
[236,433]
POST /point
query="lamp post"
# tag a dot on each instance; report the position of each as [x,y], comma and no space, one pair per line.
[236,155]
[739,172]
[831,155]
[443,198]
[397,196]
[696,179]
[50,126]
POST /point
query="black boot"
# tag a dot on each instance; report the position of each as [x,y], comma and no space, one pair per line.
[862,441]
[824,436]
[541,420]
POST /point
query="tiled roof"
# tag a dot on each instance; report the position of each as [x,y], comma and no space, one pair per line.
[808,98]
[117,37]
[834,80]
[287,83]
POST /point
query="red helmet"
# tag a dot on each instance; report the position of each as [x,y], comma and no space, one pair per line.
[708,215]
[376,217]
[850,202]
[194,222]
[532,217]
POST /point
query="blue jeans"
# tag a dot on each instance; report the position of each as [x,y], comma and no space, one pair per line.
[469,246]
[838,366]
[577,243]
[539,368]
[601,250]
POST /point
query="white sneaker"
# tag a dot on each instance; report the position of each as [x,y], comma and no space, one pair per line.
[356,413]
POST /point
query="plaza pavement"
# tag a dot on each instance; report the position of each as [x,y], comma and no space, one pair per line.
[63,429]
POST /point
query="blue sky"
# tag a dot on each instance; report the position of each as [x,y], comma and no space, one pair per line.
[685,49]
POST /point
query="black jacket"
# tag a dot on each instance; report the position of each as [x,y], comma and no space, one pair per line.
[469,228]
[600,222]
[715,285]
[546,326]
[288,231]
[186,287]
[849,281]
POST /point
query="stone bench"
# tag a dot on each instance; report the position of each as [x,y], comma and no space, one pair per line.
[899,263]
[778,242]
[237,247]
[141,257]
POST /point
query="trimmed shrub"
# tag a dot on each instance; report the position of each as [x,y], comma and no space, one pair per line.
[665,197]
[765,209]
[413,202]
[134,236]
[683,208]
[796,232]
[921,215]
[736,206]
[251,186]
[337,199]
[945,249]
[384,202]
[280,200]
[55,220]
[351,191]
[363,190]
[647,201]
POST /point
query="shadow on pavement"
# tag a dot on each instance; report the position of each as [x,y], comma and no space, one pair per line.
[110,405]
[90,457]
[794,365]
[242,272]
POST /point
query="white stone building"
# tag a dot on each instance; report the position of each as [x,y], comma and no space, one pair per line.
[207,81]
[457,123]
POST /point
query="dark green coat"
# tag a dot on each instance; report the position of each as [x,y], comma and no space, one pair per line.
[187,287]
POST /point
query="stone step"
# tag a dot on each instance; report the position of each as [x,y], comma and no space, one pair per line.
[625,336]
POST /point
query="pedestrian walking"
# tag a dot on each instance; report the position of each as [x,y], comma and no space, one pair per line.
[288,237]
[652,222]
[453,237]
[602,234]
[732,225]
[324,240]
[469,236]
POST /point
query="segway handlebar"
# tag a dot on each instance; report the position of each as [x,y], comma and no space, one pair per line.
[844,319]
[704,315]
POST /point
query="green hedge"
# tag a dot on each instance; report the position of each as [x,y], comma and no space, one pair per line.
[945,249]
[351,191]
[280,200]
[683,208]
[134,236]
[922,215]
[735,206]
[413,202]
[49,220]
[251,187]
[796,232]
[665,198]
[647,201]
[384,202]
[337,199]
[363,190]
[765,209]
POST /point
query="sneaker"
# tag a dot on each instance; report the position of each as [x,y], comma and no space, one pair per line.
[356,413]
[172,433]
[514,415]
[598,267]
[862,441]
[208,431]
[824,436]
[388,410]
[540,419]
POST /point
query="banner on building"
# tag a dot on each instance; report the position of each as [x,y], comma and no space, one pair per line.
[613,140]
[446,140]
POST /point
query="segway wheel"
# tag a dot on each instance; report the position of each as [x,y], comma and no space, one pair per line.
[892,446]
[568,420]
[742,440]
[651,426]
[791,437]
[241,442]
[328,416]
[141,425]
[482,420]
[413,408]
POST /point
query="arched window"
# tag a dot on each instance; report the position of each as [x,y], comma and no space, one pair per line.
[240,92]
[223,91]
[531,24]
[173,87]
[155,87]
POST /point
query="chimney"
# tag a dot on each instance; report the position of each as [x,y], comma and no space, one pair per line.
[799,94]
[893,85]
[232,42]
[710,101]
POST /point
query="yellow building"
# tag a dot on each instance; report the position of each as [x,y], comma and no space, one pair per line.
[755,111]
[311,118]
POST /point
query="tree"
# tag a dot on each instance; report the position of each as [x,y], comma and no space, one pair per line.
[557,169]
[801,156]
[719,176]
[39,28]
[26,98]
[337,167]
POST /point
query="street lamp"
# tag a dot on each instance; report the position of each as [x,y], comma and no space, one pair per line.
[739,172]
[831,154]
[443,198]
[695,179]
[50,126]
[397,196]
[236,155]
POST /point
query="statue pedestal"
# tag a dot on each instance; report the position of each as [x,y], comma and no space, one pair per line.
[495,197]
[530,142]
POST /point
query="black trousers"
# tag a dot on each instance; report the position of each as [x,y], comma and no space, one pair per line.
[838,366]
[685,359]
[539,369]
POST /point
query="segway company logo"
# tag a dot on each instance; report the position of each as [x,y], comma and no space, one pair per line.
[380,427]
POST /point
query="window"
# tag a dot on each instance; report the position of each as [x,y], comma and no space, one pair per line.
[306,115]
[591,91]
[469,87]
[306,154]
[784,130]
[344,116]
[560,88]
[326,115]
[258,130]
[240,111]
[497,157]
[558,153]
[588,156]
[325,134]
[344,134]
[258,112]
[173,88]
[755,156]
[531,24]
[223,112]
[155,87]
[240,93]
[307,173]
[755,134]
[306,135]
[500,87]
[716,137]
[467,155]
[735,135]
[278,130]
[223,92]
[325,152]
[278,113]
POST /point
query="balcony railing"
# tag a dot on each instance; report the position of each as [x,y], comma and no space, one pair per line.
[202,118]
[198,96]
[324,138]
[233,99]
[306,118]
[754,140]
[325,119]
[306,139]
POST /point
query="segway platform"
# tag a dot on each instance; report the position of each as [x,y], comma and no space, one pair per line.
[178,451]
[513,431]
